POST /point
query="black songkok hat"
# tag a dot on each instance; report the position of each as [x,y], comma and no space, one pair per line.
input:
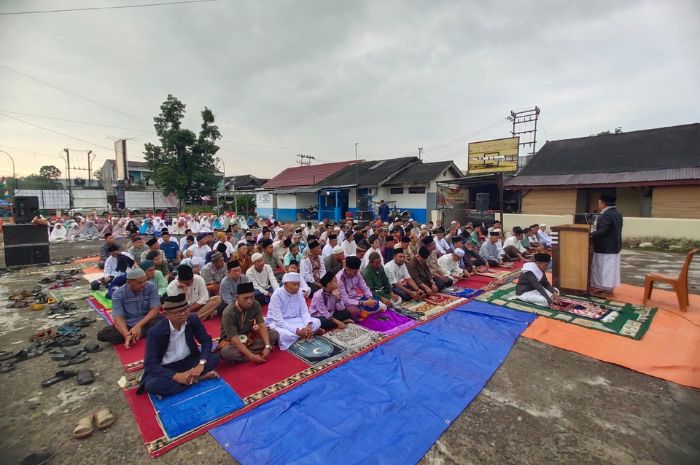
[543,257]
[245,288]
[424,252]
[326,278]
[353,262]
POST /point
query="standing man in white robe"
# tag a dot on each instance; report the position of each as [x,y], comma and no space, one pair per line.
[289,315]
[606,235]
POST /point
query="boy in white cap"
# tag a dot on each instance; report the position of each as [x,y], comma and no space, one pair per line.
[289,315]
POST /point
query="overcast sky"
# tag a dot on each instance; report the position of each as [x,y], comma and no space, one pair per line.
[314,77]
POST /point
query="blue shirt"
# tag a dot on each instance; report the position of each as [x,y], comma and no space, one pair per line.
[133,307]
[384,212]
[170,249]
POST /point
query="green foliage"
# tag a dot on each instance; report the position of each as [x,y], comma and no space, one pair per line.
[662,243]
[35,181]
[50,172]
[183,162]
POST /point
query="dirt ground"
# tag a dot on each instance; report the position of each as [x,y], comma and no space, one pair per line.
[543,406]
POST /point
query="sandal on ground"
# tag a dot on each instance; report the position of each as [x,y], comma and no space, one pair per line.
[85,377]
[66,354]
[7,366]
[74,361]
[92,347]
[103,418]
[39,458]
[82,322]
[84,427]
[58,377]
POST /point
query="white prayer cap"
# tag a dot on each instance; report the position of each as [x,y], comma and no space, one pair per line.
[543,225]
[291,278]
[453,222]
[424,226]
[337,228]
[459,253]
[337,249]
[256,256]
[497,230]
[197,262]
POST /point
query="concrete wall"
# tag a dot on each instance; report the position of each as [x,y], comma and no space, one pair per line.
[290,206]
[633,227]
[265,204]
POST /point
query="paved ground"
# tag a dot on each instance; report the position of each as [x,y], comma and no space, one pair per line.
[543,406]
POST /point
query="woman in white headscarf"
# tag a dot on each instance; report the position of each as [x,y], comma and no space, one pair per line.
[120,228]
[58,234]
[73,231]
[89,230]
[193,224]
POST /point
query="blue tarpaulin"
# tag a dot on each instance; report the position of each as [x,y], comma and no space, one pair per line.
[387,406]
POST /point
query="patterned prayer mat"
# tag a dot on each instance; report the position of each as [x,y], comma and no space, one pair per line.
[388,322]
[603,315]
[315,350]
[462,292]
[498,274]
[353,337]
[429,310]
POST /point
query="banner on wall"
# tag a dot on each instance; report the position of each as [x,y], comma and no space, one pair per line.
[451,195]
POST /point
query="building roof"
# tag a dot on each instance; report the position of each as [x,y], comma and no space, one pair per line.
[139,165]
[244,181]
[370,173]
[306,175]
[667,154]
[423,173]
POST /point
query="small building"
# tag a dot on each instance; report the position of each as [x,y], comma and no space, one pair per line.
[243,183]
[139,175]
[292,195]
[654,173]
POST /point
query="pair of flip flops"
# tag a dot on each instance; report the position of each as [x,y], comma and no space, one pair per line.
[83,377]
[100,418]
[67,357]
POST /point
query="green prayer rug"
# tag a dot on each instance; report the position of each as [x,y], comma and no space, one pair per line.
[624,319]
[101,297]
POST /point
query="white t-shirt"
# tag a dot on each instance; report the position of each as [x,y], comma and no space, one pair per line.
[396,273]
[199,252]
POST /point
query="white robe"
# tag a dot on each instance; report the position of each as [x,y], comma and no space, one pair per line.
[286,313]
[58,234]
[605,271]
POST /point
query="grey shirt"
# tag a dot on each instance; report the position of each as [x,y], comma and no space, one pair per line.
[228,288]
[133,307]
[211,274]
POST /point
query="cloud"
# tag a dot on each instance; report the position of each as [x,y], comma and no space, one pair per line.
[285,77]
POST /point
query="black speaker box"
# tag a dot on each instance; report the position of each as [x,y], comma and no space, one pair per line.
[26,255]
[24,209]
[25,234]
[482,201]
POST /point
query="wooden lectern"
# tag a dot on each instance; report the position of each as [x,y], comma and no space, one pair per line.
[571,257]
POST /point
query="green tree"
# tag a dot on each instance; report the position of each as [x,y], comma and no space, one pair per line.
[183,162]
[49,172]
[36,181]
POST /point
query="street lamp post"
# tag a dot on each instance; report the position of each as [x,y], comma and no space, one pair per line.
[221,160]
[14,176]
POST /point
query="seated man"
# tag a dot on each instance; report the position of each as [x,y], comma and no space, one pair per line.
[401,282]
[378,282]
[442,246]
[289,315]
[138,249]
[154,246]
[440,279]
[354,293]
[104,253]
[242,256]
[200,248]
[491,251]
[513,246]
[449,264]
[532,238]
[472,259]
[420,273]
[135,308]
[214,272]
[312,267]
[170,247]
[330,245]
[269,257]
[174,360]
[158,262]
[118,263]
[263,279]
[327,306]
[533,286]
[543,238]
[294,268]
[229,285]
[220,248]
[195,289]
[336,260]
[293,254]
[244,336]
[155,276]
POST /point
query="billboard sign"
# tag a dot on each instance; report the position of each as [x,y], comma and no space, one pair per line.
[121,171]
[493,156]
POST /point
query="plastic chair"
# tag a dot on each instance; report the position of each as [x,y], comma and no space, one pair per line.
[678,283]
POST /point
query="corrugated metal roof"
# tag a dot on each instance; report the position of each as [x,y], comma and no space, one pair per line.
[370,173]
[306,175]
[424,172]
[295,190]
[667,175]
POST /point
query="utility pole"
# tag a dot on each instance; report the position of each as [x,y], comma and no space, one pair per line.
[90,159]
[357,182]
[304,160]
[420,153]
[70,187]
[525,126]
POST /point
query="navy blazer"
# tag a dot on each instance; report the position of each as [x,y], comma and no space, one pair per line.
[158,339]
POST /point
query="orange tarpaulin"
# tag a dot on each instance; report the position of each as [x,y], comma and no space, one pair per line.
[669,350]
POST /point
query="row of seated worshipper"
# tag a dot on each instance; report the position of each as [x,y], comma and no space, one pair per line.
[179,350]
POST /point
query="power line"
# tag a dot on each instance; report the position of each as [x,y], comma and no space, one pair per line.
[55,118]
[87,99]
[115,7]
[56,132]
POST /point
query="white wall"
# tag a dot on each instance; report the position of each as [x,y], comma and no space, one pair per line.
[265,200]
[305,200]
[404,200]
[286,201]
[633,227]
